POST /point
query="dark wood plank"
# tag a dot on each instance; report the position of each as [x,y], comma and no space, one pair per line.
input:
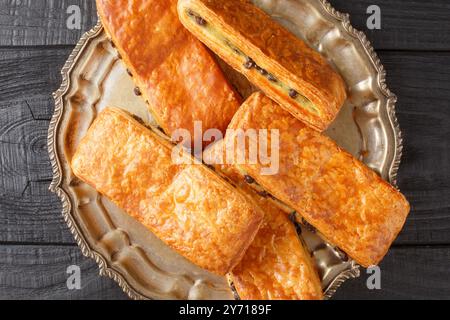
[32,216]
[406,273]
[422,83]
[42,22]
[28,211]
[34,272]
[406,24]
[31,75]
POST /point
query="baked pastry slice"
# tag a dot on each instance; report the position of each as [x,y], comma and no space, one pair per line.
[348,203]
[173,71]
[282,65]
[187,206]
[277,265]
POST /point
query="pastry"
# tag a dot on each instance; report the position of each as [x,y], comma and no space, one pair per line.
[277,265]
[349,204]
[172,70]
[282,65]
[187,206]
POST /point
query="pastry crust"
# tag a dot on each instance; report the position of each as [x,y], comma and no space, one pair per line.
[349,204]
[187,206]
[276,266]
[237,30]
[175,73]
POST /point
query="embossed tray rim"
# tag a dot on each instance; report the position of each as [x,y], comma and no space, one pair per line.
[56,185]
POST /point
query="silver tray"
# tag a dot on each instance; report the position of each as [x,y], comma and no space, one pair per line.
[143,266]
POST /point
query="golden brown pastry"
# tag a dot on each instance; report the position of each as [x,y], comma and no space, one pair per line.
[349,204]
[282,65]
[173,71]
[276,266]
[187,206]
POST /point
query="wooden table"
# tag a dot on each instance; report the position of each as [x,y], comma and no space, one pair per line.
[35,245]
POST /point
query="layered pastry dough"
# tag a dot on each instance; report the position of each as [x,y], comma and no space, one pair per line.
[188,206]
[173,71]
[282,65]
[349,204]
[276,266]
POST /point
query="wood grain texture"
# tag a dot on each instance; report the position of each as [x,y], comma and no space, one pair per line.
[406,273]
[31,75]
[422,83]
[36,272]
[406,24]
[42,22]
[28,211]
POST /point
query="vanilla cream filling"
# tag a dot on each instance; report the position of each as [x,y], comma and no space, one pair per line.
[249,63]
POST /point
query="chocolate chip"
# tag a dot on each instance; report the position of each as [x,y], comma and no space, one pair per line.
[262,71]
[309,227]
[197,18]
[129,73]
[249,63]
[293,94]
[200,21]
[137,91]
[271,78]
[249,179]
[263,194]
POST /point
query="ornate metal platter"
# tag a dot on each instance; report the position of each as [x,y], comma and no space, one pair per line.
[94,77]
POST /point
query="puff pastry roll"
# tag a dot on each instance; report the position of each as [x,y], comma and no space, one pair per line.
[173,71]
[349,204]
[277,265]
[187,206]
[282,65]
